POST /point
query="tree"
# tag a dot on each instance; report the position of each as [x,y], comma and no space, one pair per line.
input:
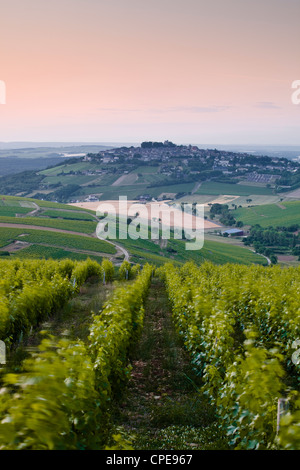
[273,259]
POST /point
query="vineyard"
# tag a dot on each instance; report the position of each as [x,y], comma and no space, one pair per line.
[67,383]
[236,330]
[241,326]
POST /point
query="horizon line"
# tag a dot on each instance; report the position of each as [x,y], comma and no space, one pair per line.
[248,144]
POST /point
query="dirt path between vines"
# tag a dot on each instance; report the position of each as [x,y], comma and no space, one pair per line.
[72,321]
[163,407]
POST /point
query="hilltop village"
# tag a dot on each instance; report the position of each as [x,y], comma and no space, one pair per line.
[182,162]
[155,170]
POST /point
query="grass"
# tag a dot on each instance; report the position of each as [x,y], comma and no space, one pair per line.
[147,169]
[68,179]
[67,241]
[70,225]
[10,207]
[133,191]
[141,250]
[215,188]
[80,166]
[76,319]
[173,188]
[61,244]
[270,214]
[257,199]
[217,252]
[8,211]
[113,192]
[128,179]
[130,187]
[199,198]
[72,321]
[70,215]
[141,257]
[21,201]
[49,252]
[58,205]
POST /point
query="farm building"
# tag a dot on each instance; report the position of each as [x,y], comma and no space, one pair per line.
[232,232]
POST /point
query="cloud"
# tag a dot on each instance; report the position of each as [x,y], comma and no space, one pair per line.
[267,105]
[118,110]
[200,109]
[175,109]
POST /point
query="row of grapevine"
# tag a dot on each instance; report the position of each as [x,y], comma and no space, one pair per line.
[70,384]
[265,299]
[31,290]
[239,324]
[128,271]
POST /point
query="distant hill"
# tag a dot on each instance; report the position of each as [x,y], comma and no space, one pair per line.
[13,165]
[44,151]
[33,145]
[159,170]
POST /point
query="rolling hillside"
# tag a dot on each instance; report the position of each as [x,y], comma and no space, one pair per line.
[39,216]
[283,213]
[31,228]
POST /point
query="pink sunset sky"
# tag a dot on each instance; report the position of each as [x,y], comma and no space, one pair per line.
[191,71]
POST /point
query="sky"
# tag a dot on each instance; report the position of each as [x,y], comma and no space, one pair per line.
[190,71]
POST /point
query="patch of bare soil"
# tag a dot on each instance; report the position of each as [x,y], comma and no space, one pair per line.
[15,246]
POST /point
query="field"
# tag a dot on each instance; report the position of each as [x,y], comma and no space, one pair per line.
[50,252]
[46,229]
[124,180]
[17,202]
[100,180]
[52,231]
[63,240]
[151,208]
[29,243]
[66,179]
[143,251]
[64,214]
[216,250]
[9,211]
[134,191]
[68,225]
[113,192]
[214,188]
[281,214]
[26,211]
[65,169]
